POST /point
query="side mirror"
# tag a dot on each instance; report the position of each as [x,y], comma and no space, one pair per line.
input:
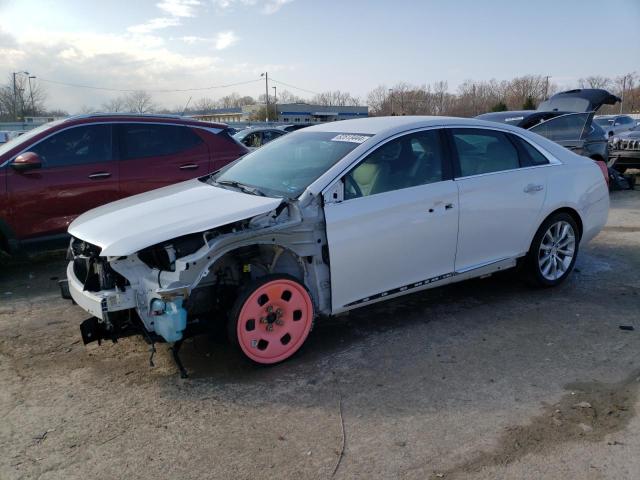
[26,161]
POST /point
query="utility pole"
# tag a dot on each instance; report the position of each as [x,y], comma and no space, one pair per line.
[266,91]
[546,87]
[15,95]
[15,99]
[391,99]
[33,106]
[624,84]
[275,101]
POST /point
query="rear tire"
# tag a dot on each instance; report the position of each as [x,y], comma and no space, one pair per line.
[553,251]
[271,319]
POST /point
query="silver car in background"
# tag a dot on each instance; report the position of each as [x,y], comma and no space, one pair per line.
[612,124]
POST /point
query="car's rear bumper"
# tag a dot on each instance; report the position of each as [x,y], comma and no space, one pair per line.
[97,303]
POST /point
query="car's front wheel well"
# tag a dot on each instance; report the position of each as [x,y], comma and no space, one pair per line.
[228,275]
[261,260]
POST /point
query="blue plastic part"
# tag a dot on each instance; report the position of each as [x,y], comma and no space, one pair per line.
[172,322]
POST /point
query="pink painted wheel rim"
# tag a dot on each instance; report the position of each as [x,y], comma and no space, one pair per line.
[274,321]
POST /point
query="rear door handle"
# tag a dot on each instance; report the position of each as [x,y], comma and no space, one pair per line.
[531,188]
[188,166]
[97,175]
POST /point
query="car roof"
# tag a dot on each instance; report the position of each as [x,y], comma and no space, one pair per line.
[383,128]
[390,125]
[142,117]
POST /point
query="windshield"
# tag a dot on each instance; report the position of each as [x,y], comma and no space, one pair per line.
[603,122]
[24,138]
[287,166]
[565,104]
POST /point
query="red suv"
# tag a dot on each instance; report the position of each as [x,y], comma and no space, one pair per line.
[53,173]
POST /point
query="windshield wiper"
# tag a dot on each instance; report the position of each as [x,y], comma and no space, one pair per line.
[241,186]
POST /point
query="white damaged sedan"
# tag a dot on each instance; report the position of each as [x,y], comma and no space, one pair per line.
[331,218]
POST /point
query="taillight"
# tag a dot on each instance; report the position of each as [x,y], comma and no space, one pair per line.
[604,170]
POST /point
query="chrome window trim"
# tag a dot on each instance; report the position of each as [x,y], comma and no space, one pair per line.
[552,160]
[213,130]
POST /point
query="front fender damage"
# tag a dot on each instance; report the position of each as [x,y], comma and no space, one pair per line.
[187,285]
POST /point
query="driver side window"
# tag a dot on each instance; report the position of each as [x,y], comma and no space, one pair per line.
[408,161]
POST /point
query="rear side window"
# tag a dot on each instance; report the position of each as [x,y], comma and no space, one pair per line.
[564,127]
[76,146]
[484,151]
[269,135]
[149,140]
[535,157]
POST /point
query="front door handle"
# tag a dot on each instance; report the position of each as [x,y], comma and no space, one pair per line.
[97,175]
[188,166]
[532,188]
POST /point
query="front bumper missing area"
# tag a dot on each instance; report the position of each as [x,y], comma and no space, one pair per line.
[99,303]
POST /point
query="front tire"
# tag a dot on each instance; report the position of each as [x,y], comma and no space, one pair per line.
[553,251]
[271,318]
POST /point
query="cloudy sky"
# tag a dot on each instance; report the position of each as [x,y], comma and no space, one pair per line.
[315,45]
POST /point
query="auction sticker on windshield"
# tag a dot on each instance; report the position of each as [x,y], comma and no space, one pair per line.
[348,137]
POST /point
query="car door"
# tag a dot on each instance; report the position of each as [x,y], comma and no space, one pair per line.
[153,155]
[502,190]
[78,173]
[396,225]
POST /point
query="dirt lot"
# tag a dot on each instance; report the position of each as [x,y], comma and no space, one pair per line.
[485,379]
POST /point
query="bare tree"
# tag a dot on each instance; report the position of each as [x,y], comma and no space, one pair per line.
[377,99]
[115,105]
[335,98]
[87,109]
[595,81]
[27,99]
[285,96]
[140,102]
[204,104]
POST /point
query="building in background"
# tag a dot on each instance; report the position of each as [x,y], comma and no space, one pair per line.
[289,113]
[312,114]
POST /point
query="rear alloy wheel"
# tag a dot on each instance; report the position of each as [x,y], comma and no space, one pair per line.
[271,319]
[553,251]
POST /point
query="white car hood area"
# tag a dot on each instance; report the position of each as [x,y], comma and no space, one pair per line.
[131,224]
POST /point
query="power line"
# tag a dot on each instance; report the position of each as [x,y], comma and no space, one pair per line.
[128,90]
[293,86]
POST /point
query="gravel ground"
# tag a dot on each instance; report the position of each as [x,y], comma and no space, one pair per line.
[485,379]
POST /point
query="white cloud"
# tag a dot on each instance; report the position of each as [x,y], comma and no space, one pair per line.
[192,40]
[176,9]
[225,39]
[154,24]
[123,61]
[179,8]
[273,6]
[267,7]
